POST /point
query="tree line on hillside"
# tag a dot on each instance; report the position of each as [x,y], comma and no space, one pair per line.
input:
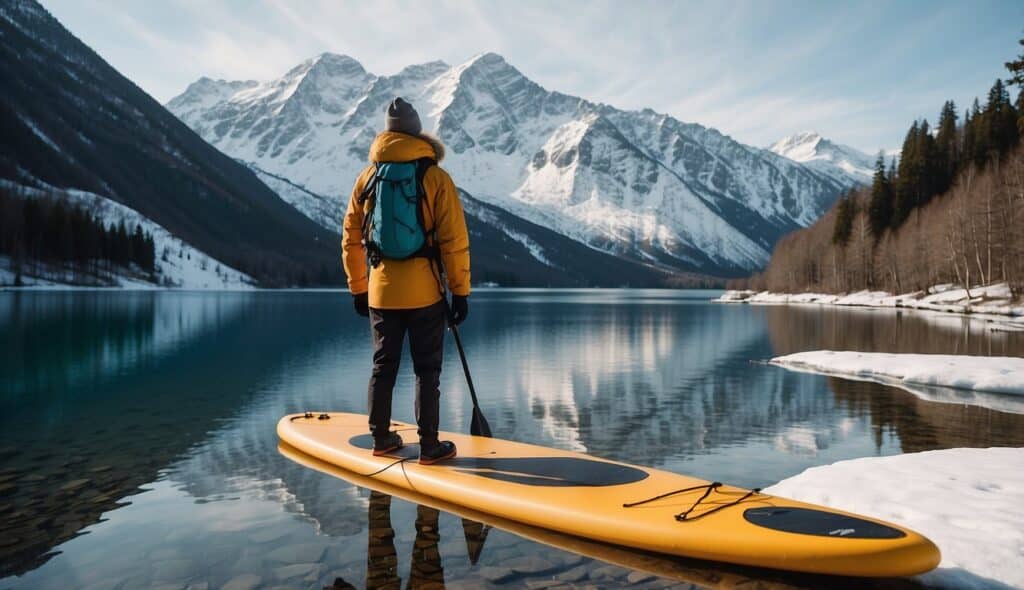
[951,211]
[63,235]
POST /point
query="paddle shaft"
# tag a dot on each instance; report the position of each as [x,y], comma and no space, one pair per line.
[478,425]
[465,365]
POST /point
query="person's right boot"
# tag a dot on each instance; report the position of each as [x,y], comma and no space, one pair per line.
[388,443]
[438,451]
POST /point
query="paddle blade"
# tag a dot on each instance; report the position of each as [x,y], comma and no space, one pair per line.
[478,426]
[476,536]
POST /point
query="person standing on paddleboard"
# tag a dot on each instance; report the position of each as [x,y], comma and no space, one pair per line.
[404,240]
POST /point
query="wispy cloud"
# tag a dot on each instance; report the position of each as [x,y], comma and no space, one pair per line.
[757,70]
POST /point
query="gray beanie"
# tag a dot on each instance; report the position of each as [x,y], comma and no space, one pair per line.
[401,117]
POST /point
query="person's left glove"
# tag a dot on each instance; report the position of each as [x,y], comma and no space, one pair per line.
[362,304]
[460,308]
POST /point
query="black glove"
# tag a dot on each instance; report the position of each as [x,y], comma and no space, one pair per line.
[460,309]
[362,304]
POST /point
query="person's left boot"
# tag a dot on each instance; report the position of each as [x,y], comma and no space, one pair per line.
[386,444]
[439,451]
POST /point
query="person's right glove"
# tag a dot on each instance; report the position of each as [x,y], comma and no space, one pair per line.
[460,308]
[362,304]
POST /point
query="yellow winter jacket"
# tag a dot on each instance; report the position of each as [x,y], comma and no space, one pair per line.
[408,284]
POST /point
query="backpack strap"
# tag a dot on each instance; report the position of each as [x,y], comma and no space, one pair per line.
[368,193]
[371,185]
[422,165]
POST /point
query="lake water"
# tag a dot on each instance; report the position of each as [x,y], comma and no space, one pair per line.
[138,446]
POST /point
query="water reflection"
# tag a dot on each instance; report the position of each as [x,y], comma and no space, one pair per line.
[381,557]
[105,395]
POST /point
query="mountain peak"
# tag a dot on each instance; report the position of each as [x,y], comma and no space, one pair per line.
[325,64]
[488,58]
[490,63]
[336,59]
[331,64]
[802,140]
[810,147]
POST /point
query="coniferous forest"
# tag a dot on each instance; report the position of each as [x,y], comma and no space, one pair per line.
[950,211]
[63,236]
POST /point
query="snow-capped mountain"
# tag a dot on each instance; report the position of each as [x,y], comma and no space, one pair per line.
[639,185]
[74,125]
[842,162]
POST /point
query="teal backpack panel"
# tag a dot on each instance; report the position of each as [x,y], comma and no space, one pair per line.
[396,228]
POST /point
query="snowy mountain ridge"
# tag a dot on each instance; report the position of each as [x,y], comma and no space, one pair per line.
[74,123]
[842,162]
[636,184]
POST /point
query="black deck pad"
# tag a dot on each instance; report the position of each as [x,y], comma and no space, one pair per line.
[807,521]
[532,471]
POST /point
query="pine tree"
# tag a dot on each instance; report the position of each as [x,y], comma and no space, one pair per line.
[122,245]
[999,122]
[880,207]
[931,169]
[150,260]
[138,249]
[907,177]
[846,210]
[1019,106]
[1016,68]
[980,134]
[946,140]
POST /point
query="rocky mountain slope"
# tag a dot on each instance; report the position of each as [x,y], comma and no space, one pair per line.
[638,185]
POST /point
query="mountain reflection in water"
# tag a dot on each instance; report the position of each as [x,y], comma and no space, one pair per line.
[147,420]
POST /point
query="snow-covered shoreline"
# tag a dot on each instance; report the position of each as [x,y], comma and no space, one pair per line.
[968,501]
[992,382]
[994,302]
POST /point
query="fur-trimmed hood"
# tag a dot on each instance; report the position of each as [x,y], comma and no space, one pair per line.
[391,146]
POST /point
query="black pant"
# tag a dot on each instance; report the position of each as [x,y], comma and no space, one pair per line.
[425,326]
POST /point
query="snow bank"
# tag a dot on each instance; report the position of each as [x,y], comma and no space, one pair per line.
[968,501]
[995,299]
[989,381]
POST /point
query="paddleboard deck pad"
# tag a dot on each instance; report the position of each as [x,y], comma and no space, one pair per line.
[622,504]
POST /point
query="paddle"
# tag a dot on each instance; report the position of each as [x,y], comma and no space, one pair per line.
[478,425]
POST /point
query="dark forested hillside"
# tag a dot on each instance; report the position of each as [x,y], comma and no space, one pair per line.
[54,232]
[69,120]
[951,211]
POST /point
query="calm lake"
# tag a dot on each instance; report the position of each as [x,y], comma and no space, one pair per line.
[138,446]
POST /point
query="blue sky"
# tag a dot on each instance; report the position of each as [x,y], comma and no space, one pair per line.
[858,72]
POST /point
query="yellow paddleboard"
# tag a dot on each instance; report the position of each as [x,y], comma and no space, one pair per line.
[622,504]
[706,574]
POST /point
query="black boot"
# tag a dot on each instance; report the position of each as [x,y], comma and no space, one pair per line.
[438,451]
[387,443]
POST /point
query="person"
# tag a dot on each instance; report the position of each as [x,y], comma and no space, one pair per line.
[406,295]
